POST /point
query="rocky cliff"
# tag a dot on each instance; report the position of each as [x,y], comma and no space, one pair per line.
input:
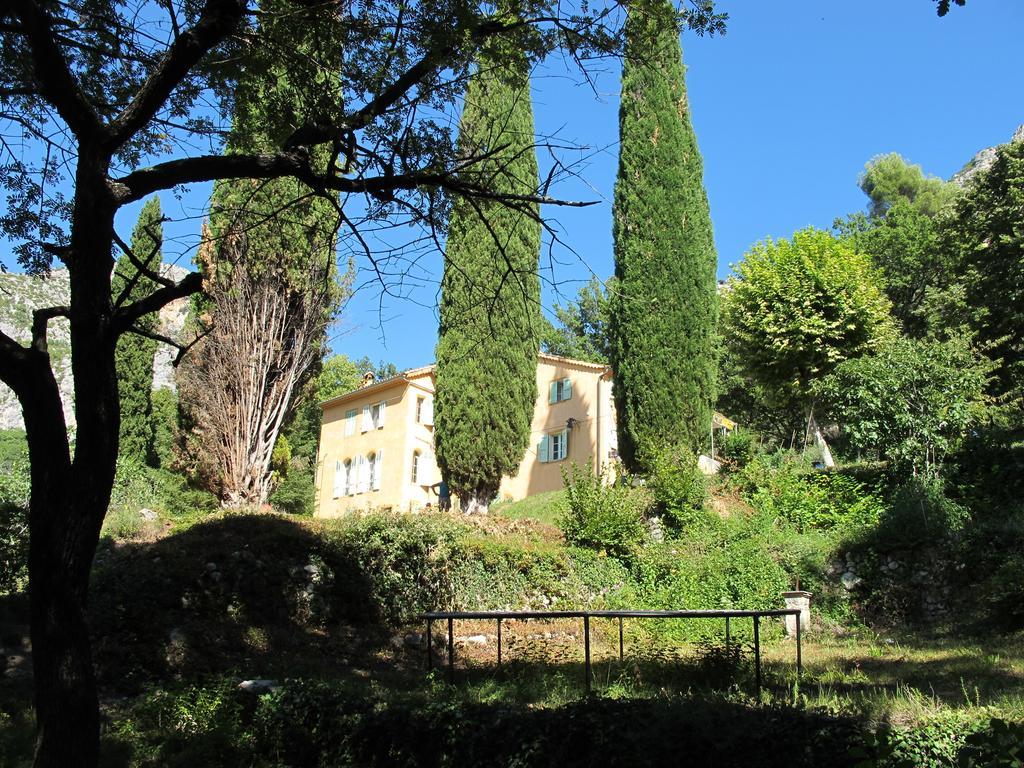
[983,160]
[21,295]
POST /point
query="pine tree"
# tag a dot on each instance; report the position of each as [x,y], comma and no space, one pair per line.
[135,353]
[664,308]
[490,296]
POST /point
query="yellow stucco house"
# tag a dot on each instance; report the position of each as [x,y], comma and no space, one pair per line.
[377,442]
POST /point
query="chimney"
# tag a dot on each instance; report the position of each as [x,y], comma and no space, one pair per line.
[368,379]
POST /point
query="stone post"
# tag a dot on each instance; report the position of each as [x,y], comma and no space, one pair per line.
[801,600]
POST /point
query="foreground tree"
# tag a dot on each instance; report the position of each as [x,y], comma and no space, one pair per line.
[664,309]
[796,309]
[135,352]
[486,383]
[115,101]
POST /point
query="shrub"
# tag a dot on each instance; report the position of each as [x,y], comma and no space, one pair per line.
[737,449]
[678,486]
[606,517]
[400,565]
[921,512]
[295,493]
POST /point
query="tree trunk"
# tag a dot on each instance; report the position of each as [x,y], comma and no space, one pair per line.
[476,503]
[70,496]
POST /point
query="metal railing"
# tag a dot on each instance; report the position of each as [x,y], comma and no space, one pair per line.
[499,616]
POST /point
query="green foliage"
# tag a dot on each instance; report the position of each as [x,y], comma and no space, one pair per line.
[911,401]
[135,353]
[164,402]
[490,294]
[678,486]
[889,179]
[295,494]
[737,449]
[797,308]
[583,332]
[906,246]
[986,234]
[15,487]
[785,488]
[401,564]
[921,512]
[1000,745]
[609,517]
[664,307]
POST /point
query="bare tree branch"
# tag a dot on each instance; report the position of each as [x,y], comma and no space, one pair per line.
[125,317]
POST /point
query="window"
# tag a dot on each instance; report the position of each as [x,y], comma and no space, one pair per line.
[372,461]
[419,410]
[554,447]
[416,465]
[348,485]
[559,390]
[350,422]
[373,416]
[339,480]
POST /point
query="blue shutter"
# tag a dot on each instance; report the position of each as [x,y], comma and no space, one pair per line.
[553,393]
[542,449]
[567,389]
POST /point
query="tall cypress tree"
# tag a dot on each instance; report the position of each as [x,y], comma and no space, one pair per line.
[135,353]
[490,295]
[664,308]
[267,237]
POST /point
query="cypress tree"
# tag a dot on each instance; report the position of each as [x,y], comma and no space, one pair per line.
[135,353]
[267,233]
[664,309]
[490,294]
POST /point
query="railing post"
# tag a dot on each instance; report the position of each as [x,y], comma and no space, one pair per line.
[499,642]
[728,636]
[620,639]
[799,660]
[757,656]
[586,648]
[451,652]
[430,645]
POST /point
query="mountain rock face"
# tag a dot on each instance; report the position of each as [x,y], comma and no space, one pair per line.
[21,295]
[983,160]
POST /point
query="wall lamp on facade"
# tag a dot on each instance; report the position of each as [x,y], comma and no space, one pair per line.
[571,422]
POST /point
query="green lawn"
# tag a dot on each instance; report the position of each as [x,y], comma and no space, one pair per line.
[543,507]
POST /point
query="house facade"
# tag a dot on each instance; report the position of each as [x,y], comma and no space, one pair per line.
[377,442]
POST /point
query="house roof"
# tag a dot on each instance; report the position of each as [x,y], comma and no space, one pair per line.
[409,377]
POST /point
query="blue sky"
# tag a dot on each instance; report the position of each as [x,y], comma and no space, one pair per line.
[788,106]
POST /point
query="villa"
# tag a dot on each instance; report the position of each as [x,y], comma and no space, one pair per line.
[377,442]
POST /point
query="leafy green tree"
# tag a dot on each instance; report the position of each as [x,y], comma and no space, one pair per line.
[582,332]
[134,278]
[664,308]
[901,234]
[490,296]
[986,235]
[911,401]
[889,178]
[797,308]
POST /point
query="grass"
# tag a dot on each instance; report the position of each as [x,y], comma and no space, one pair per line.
[544,507]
